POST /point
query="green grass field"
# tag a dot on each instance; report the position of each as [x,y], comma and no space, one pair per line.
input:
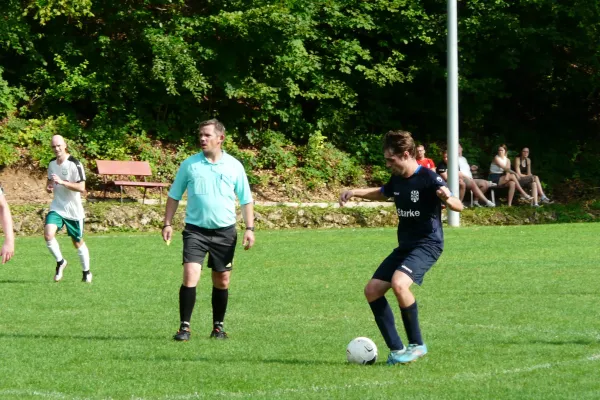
[507,312]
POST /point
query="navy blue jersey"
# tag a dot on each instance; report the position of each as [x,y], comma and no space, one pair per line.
[419,208]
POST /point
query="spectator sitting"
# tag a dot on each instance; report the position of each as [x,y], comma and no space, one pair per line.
[477,186]
[442,170]
[422,161]
[523,170]
[502,175]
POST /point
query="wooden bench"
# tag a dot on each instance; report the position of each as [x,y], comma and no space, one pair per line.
[108,168]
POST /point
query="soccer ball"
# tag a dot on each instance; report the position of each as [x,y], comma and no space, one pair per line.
[362,351]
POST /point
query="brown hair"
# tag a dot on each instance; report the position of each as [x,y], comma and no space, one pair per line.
[219,127]
[398,142]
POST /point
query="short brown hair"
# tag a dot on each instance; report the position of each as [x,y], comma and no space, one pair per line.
[219,127]
[398,142]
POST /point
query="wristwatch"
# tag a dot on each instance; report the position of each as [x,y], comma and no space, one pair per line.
[250,228]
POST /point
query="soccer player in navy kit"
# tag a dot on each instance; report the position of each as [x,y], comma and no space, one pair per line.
[418,195]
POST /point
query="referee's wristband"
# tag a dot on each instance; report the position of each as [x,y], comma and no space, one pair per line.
[163,228]
[250,228]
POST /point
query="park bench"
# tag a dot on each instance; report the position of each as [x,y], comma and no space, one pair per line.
[109,168]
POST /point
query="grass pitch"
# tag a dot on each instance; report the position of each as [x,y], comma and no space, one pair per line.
[507,312]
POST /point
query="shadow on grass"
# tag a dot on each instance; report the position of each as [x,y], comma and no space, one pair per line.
[79,337]
[581,342]
[237,360]
[17,281]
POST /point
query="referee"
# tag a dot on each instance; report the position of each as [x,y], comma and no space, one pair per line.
[212,179]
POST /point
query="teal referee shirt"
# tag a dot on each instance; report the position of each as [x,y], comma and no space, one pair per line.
[212,189]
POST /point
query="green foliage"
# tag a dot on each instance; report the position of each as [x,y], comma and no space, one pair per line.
[380,175]
[9,154]
[9,97]
[324,164]
[350,70]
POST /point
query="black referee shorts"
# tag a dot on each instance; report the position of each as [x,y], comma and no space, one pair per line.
[218,243]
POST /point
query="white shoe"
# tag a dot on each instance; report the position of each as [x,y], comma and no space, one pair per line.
[546,200]
[492,184]
[476,203]
[59,270]
[490,204]
[87,277]
[535,205]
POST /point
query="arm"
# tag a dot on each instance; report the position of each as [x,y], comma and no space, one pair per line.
[369,194]
[517,169]
[8,248]
[504,166]
[453,203]
[74,186]
[528,167]
[248,215]
[167,231]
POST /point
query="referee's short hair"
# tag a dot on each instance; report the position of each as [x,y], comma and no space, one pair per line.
[219,127]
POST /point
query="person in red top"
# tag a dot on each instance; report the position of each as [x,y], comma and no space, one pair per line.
[422,161]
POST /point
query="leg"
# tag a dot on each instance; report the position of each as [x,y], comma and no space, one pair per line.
[384,317]
[479,194]
[401,283]
[194,252]
[187,298]
[461,189]
[534,193]
[220,297]
[518,186]
[222,250]
[50,237]
[511,192]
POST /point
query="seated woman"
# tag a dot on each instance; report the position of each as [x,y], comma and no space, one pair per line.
[526,178]
[502,175]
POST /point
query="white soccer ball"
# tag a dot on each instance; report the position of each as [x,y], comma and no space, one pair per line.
[362,351]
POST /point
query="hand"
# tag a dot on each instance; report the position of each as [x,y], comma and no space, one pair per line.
[50,187]
[8,250]
[443,193]
[345,196]
[167,233]
[55,178]
[248,240]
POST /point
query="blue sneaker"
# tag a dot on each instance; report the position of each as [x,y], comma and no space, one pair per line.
[395,354]
[412,353]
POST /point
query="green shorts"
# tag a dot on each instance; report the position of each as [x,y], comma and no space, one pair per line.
[74,228]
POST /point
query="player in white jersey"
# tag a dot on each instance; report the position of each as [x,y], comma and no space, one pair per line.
[66,178]
[8,248]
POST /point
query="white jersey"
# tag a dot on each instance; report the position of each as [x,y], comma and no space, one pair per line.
[463,166]
[67,203]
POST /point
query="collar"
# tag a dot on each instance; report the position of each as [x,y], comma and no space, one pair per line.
[204,160]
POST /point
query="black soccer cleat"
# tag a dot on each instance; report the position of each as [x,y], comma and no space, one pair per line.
[218,333]
[183,334]
[87,277]
[60,267]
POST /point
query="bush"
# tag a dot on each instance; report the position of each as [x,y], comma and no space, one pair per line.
[324,164]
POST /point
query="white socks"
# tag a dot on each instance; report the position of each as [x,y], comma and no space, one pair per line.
[54,249]
[84,257]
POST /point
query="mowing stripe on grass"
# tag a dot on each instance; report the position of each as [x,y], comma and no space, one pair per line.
[310,389]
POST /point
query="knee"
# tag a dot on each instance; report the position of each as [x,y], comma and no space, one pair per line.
[371,292]
[221,281]
[48,236]
[400,288]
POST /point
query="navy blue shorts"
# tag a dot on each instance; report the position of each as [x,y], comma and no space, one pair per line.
[414,263]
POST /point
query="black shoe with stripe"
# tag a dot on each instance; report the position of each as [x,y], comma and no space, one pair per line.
[218,333]
[183,334]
